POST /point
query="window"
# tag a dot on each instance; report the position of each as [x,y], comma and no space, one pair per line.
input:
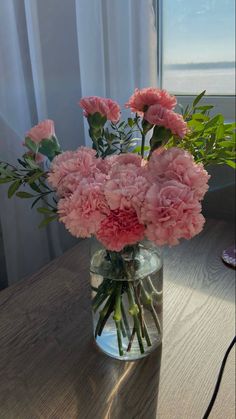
[197,50]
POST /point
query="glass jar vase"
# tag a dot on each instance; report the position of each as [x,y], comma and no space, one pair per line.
[127,299]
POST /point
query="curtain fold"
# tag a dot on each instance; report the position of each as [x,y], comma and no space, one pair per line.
[117,42]
[22,242]
[51,54]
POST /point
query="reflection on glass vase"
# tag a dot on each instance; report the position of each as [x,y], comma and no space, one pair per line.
[127,299]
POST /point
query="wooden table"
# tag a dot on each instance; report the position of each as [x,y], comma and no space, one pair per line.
[50,367]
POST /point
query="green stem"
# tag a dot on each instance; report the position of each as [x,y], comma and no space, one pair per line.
[104,315]
[146,334]
[104,320]
[103,291]
[140,310]
[155,318]
[119,338]
[144,329]
[142,145]
[154,292]
[131,340]
[99,302]
[134,310]
[123,330]
[126,323]
[118,316]
[148,301]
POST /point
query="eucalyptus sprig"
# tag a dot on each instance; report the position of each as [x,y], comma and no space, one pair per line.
[110,138]
[210,139]
[126,134]
[29,181]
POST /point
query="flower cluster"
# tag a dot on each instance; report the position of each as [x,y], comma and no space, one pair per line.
[122,199]
[156,107]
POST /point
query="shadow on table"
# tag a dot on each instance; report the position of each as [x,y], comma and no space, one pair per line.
[108,388]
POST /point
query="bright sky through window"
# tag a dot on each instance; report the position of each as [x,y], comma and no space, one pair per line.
[199,46]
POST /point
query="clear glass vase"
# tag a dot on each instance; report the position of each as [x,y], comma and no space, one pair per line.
[127,299]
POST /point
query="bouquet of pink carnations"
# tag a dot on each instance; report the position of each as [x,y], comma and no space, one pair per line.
[123,191]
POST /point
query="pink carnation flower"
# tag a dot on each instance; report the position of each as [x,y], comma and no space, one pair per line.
[178,164]
[70,167]
[158,115]
[143,98]
[106,107]
[119,229]
[170,213]
[83,211]
[44,130]
[129,158]
[126,184]
[105,165]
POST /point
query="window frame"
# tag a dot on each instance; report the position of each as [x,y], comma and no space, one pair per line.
[224,104]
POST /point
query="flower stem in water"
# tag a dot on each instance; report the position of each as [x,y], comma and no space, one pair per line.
[104,315]
[118,317]
[134,310]
[126,323]
[148,302]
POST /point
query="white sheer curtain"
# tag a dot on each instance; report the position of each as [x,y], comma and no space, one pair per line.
[52,53]
[117,47]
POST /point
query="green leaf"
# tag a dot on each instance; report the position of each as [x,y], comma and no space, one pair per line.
[31,163]
[35,176]
[44,185]
[198,98]
[146,126]
[5,171]
[226,143]
[186,110]
[22,163]
[198,142]
[200,117]
[160,135]
[35,201]
[220,132]
[110,136]
[230,155]
[122,124]
[46,221]
[131,122]
[24,195]
[231,163]
[138,149]
[214,121]
[43,210]
[49,148]
[13,188]
[204,107]
[230,126]
[196,125]
[96,120]
[31,145]
[5,180]
[35,187]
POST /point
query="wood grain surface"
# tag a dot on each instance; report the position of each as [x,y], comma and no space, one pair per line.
[51,368]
